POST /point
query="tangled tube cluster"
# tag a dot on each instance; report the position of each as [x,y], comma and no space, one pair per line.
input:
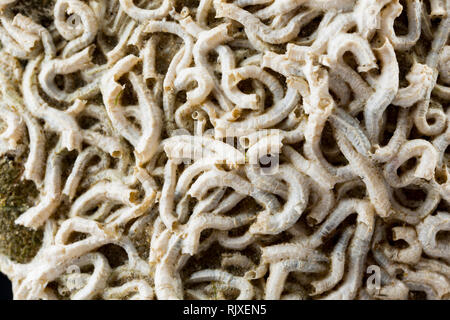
[218,149]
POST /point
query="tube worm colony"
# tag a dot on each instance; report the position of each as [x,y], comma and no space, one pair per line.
[151,129]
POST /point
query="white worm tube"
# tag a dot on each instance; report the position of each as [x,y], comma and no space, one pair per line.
[350,127]
[434,285]
[21,43]
[310,168]
[246,291]
[207,41]
[279,272]
[144,15]
[291,251]
[367,16]
[111,91]
[390,13]
[56,119]
[424,169]
[167,195]
[97,281]
[411,254]
[150,122]
[204,84]
[293,208]
[81,35]
[236,243]
[375,184]
[404,125]
[30,26]
[107,191]
[269,118]
[337,265]
[203,221]
[404,212]
[120,49]
[51,68]
[188,175]
[192,147]
[50,197]
[173,28]
[80,166]
[168,285]
[265,33]
[141,289]
[385,91]
[56,257]
[358,248]
[283,6]
[427,231]
[250,101]
[14,125]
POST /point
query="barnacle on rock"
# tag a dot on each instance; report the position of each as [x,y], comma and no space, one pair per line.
[219,149]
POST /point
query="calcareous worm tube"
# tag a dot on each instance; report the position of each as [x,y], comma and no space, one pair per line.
[301,143]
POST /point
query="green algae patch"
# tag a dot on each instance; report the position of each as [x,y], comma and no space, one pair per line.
[16,196]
